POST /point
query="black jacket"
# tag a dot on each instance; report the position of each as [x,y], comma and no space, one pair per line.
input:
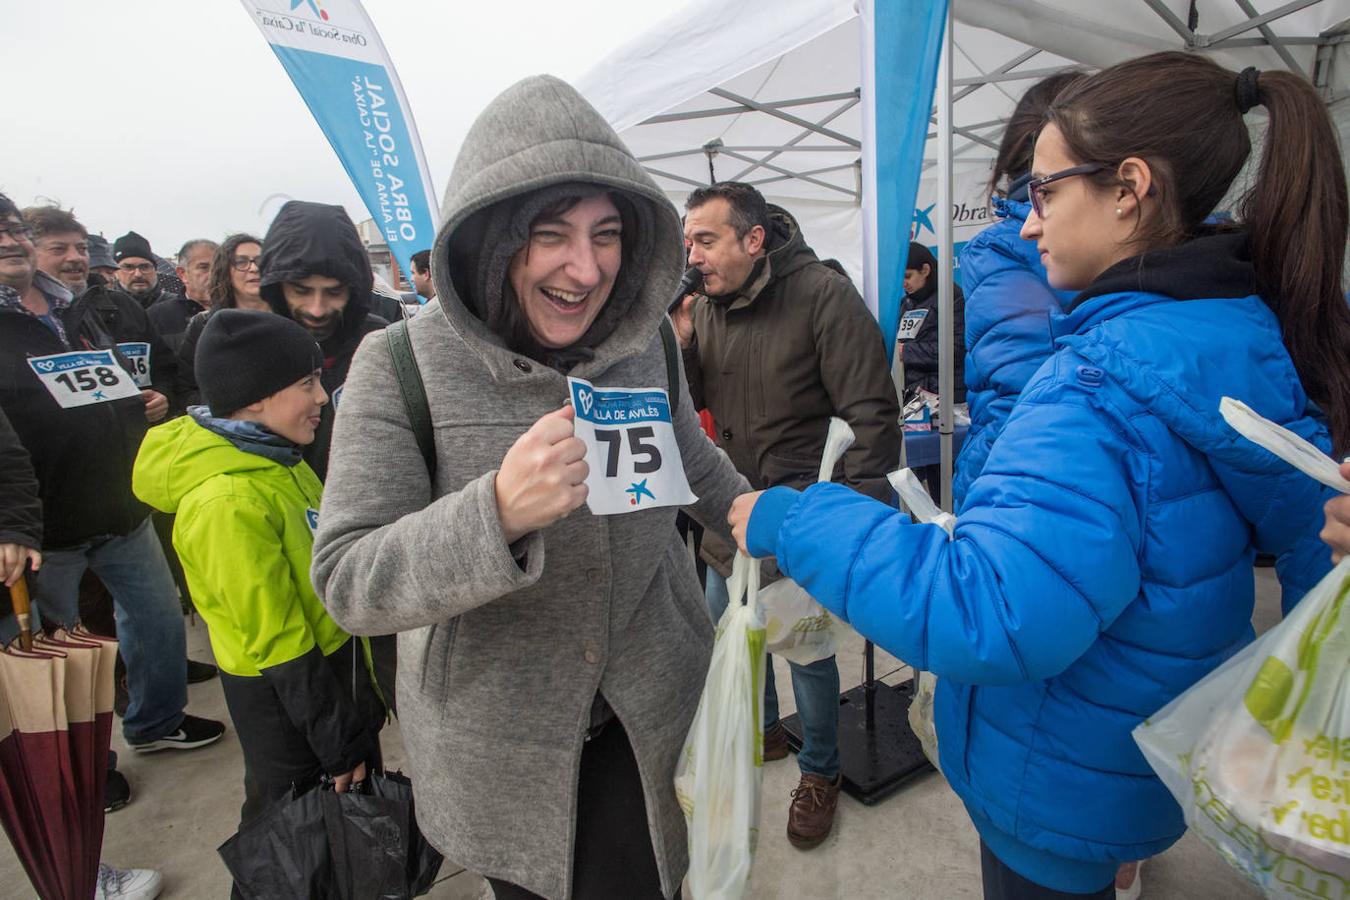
[921,351]
[122,317]
[317,239]
[170,317]
[82,456]
[20,507]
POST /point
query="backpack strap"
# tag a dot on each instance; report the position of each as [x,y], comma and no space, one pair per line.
[672,349]
[413,390]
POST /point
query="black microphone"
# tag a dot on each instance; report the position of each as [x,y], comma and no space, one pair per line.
[690,281]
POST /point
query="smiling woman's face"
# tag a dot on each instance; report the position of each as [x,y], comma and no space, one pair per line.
[564,274]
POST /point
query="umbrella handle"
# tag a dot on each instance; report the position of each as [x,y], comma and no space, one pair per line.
[18,594]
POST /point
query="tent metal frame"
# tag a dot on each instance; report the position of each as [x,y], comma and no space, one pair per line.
[977,135]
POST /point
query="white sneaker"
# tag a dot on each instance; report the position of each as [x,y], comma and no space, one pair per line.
[1130,881]
[127,884]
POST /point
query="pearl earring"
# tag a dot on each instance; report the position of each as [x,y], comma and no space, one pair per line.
[1119,211]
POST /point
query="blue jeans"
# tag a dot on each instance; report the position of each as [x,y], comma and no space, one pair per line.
[149,621]
[816,688]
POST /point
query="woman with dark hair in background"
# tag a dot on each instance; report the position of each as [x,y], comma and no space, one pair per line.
[1102,560]
[234,283]
[1008,300]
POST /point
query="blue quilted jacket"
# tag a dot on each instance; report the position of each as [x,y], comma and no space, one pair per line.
[1008,306]
[1102,562]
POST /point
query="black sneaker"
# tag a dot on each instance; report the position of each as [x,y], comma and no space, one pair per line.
[197,672]
[117,794]
[194,732]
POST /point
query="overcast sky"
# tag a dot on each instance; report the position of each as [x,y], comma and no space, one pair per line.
[173,117]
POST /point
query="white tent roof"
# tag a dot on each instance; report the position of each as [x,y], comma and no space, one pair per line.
[779,89]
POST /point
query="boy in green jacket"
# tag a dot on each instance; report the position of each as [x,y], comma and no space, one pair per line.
[298,687]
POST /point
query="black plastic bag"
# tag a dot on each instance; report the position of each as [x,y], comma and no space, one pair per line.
[283,854]
[318,845]
[423,860]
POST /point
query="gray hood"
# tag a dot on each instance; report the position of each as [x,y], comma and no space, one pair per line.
[534,139]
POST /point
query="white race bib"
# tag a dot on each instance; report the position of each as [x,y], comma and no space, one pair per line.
[910,323]
[630,447]
[138,354]
[84,377]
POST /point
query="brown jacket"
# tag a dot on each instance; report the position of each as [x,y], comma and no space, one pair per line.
[774,361]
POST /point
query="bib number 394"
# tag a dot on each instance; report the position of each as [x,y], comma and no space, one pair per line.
[83,378]
[631,449]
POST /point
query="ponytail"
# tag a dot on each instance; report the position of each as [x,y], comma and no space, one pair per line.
[1296,217]
[1183,114]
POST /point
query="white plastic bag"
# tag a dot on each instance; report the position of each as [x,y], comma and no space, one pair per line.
[1258,752]
[914,498]
[797,627]
[717,779]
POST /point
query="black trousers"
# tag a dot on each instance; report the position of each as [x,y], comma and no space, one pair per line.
[613,855]
[1002,883]
[277,755]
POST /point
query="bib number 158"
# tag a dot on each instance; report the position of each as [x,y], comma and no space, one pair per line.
[80,380]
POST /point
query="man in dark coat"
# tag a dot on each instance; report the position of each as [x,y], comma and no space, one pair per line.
[780,344]
[172,312]
[82,435]
[137,271]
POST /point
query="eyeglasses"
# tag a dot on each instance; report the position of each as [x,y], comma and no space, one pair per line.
[1034,187]
[244,263]
[16,232]
[137,267]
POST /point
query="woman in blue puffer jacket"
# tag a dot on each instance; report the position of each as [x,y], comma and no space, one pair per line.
[1102,562]
[1008,301]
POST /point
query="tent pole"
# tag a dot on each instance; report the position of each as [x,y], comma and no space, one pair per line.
[945,268]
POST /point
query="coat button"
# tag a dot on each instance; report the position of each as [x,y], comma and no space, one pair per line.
[592,657]
[521,364]
[726,434]
[597,576]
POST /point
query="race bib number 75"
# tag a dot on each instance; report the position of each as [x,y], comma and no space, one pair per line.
[631,449]
[83,378]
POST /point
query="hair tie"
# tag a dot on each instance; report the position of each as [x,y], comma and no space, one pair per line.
[1248,89]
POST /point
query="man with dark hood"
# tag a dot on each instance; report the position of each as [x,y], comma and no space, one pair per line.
[315,270]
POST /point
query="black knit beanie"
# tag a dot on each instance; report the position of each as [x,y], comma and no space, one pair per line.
[245,355]
[132,245]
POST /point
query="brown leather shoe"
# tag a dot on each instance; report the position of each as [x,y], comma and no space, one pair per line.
[775,742]
[811,815]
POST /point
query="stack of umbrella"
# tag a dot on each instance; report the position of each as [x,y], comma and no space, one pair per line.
[56,700]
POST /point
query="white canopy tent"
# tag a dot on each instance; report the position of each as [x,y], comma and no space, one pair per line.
[730,90]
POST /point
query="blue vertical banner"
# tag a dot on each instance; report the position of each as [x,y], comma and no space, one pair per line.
[901,46]
[340,67]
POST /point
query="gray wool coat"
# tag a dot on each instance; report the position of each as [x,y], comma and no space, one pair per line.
[501,655]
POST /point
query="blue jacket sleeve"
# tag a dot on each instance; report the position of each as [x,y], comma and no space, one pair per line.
[1045,554]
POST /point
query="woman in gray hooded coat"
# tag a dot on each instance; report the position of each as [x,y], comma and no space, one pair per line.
[551,660]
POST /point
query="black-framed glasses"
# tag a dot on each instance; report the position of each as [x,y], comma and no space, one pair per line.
[16,231]
[137,268]
[243,263]
[1034,186]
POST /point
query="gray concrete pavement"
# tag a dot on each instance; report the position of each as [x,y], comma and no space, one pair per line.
[917,844]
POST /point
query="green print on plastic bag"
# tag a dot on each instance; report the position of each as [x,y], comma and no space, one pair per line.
[1269,696]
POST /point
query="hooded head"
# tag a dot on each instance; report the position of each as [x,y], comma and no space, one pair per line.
[316,239]
[540,154]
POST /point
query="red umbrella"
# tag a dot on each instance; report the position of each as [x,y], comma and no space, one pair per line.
[55,724]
